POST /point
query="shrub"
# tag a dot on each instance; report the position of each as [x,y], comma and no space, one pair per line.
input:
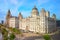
[37,33]
[47,37]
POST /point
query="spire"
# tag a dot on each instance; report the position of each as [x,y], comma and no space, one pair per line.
[8,14]
[8,11]
[8,17]
[35,8]
[20,16]
[20,13]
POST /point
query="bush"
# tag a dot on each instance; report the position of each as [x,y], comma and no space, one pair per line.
[47,37]
[37,33]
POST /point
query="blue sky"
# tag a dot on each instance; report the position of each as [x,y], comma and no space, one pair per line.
[25,7]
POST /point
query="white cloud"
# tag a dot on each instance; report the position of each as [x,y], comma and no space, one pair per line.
[17,4]
[40,2]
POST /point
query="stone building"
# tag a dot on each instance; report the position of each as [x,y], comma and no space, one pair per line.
[40,22]
[14,22]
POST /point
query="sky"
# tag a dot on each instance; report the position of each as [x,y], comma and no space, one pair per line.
[25,7]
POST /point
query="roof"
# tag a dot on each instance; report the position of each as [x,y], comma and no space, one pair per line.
[14,17]
[34,8]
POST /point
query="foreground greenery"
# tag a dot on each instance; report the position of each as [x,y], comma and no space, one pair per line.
[9,33]
[47,37]
[15,30]
[12,36]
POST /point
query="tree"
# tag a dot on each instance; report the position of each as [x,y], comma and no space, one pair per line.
[16,31]
[12,36]
[5,31]
[5,34]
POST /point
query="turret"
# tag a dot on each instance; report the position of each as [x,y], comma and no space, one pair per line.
[35,12]
[43,12]
[8,17]
[20,17]
[54,16]
[8,14]
[47,14]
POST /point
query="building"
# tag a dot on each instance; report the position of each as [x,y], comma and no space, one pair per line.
[40,22]
[58,24]
[14,22]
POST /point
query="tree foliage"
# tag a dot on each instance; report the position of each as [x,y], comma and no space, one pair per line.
[5,34]
[6,31]
[12,36]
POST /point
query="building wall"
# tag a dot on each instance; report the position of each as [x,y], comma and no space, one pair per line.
[22,24]
[51,25]
[13,22]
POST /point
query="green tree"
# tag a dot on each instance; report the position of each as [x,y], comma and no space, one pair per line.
[5,34]
[4,30]
[16,31]
[12,36]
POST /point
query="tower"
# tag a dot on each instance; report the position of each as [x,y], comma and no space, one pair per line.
[20,17]
[35,12]
[8,17]
[47,14]
[43,12]
[47,21]
[43,21]
[54,17]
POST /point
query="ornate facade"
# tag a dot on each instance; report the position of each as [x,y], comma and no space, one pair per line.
[40,22]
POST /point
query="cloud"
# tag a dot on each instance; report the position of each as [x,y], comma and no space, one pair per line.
[13,5]
[14,2]
[24,6]
[40,2]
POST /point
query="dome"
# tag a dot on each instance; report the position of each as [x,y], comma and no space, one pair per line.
[54,16]
[35,11]
[34,8]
